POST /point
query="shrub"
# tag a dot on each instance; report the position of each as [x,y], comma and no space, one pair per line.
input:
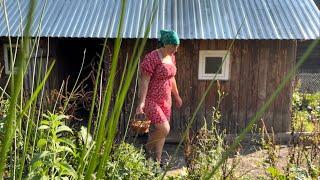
[3,114]
[128,162]
[206,148]
[303,159]
[305,111]
[56,150]
[205,152]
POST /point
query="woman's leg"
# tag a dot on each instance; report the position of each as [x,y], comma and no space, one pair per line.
[158,130]
[157,138]
[151,143]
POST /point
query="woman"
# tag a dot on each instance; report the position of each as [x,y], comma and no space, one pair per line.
[158,70]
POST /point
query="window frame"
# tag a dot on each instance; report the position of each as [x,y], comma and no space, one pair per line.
[15,48]
[225,70]
[6,48]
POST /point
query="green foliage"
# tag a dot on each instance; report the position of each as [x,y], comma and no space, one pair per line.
[206,151]
[128,162]
[305,111]
[294,172]
[276,173]
[301,121]
[3,114]
[207,148]
[303,160]
[55,150]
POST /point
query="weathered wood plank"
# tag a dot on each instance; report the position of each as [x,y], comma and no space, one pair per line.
[194,55]
[249,80]
[254,75]
[243,85]
[228,97]
[224,87]
[187,88]
[263,54]
[211,97]
[235,86]
[277,113]
[201,85]
[271,85]
[290,62]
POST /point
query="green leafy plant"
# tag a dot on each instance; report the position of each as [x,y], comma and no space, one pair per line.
[205,152]
[3,115]
[55,150]
[128,162]
[207,146]
[303,160]
[305,110]
[301,122]
[276,173]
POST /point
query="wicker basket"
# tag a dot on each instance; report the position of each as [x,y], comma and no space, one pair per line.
[140,124]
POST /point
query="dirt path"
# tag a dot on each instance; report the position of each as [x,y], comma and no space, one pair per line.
[251,164]
[252,160]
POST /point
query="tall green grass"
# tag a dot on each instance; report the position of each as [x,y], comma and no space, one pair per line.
[16,86]
[107,119]
[108,125]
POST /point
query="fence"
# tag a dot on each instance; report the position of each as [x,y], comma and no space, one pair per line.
[310,82]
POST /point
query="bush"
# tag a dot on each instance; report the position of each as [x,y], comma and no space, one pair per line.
[303,160]
[56,150]
[205,153]
[305,111]
[3,114]
[206,148]
[128,162]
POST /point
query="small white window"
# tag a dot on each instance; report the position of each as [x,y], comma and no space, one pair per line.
[209,63]
[15,50]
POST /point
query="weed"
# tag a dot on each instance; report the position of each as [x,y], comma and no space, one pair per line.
[55,150]
[203,151]
[127,162]
[303,159]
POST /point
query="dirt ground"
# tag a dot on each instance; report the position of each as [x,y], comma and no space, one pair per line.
[250,164]
[253,157]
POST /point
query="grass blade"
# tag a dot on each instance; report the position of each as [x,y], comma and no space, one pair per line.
[9,124]
[107,96]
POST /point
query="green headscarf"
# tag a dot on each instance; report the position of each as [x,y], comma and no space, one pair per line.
[169,37]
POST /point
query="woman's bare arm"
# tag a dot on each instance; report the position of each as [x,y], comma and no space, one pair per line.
[144,83]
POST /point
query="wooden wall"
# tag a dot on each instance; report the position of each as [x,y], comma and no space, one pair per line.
[48,48]
[257,67]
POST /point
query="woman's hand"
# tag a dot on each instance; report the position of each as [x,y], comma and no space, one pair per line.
[139,109]
[178,101]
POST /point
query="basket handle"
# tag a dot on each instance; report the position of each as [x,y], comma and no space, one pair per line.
[141,116]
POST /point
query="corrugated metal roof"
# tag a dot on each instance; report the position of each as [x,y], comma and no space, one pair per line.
[192,19]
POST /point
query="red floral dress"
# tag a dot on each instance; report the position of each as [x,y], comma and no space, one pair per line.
[158,100]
